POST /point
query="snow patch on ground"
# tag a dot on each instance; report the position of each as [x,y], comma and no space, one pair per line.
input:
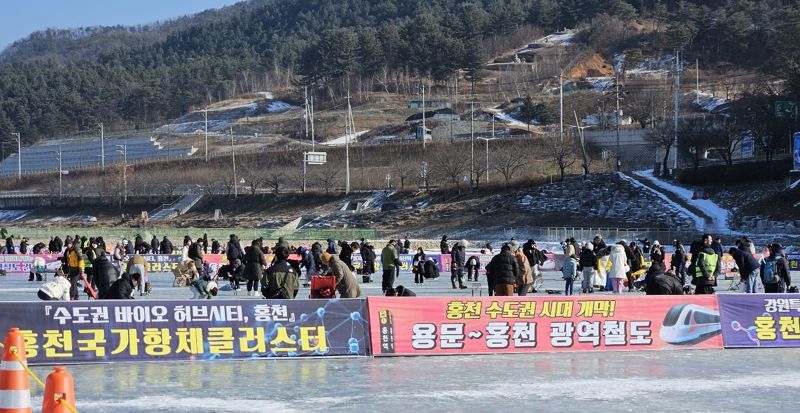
[699,221]
[7,215]
[508,118]
[794,185]
[600,83]
[718,214]
[656,66]
[565,39]
[221,118]
[707,101]
[278,106]
[342,140]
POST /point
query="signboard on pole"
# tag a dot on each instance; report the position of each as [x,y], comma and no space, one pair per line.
[785,109]
[316,158]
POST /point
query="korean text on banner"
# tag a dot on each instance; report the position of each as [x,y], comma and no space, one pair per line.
[416,326]
[760,320]
[98,331]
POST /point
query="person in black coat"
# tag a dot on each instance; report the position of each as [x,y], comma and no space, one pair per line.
[155,247]
[368,257]
[748,268]
[234,250]
[166,246]
[215,247]
[458,259]
[205,243]
[400,291]
[418,266]
[657,282]
[105,274]
[58,243]
[443,246]
[254,267]
[678,261]
[346,254]
[122,289]
[504,269]
[196,254]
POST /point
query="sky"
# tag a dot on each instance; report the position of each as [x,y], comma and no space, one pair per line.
[23,17]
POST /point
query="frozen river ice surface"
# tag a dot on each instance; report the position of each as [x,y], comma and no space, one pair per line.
[669,381]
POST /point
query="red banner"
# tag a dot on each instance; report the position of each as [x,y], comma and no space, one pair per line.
[440,325]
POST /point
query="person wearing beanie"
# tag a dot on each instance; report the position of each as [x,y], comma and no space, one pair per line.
[281,281]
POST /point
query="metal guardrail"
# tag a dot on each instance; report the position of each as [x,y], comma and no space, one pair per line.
[557,234]
[177,234]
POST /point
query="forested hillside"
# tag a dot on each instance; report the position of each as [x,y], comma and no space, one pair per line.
[61,82]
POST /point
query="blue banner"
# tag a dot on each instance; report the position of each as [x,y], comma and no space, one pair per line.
[796,151]
[108,331]
[760,320]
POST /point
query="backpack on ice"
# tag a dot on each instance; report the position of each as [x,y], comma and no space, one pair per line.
[771,272]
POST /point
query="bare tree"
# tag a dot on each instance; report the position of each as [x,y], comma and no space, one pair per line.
[726,137]
[328,175]
[662,136]
[274,179]
[449,165]
[211,186]
[399,166]
[693,139]
[253,175]
[563,153]
[507,161]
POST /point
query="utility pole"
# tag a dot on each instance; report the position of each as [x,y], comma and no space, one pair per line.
[19,155]
[472,140]
[697,80]
[205,117]
[487,155]
[677,106]
[60,172]
[423,117]
[123,149]
[305,110]
[233,163]
[102,147]
[561,104]
[312,124]
[352,129]
[583,145]
[619,163]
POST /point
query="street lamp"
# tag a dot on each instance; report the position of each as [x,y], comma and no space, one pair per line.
[205,116]
[487,155]
[233,162]
[60,171]
[102,146]
[19,155]
[123,150]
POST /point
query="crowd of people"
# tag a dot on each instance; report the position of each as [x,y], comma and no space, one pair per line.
[121,271]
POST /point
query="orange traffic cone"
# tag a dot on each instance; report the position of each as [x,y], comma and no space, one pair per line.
[58,389]
[15,390]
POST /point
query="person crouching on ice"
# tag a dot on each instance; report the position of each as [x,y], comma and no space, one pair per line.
[56,290]
[204,289]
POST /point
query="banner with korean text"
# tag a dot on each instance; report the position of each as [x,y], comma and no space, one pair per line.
[418,326]
[109,331]
[760,320]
